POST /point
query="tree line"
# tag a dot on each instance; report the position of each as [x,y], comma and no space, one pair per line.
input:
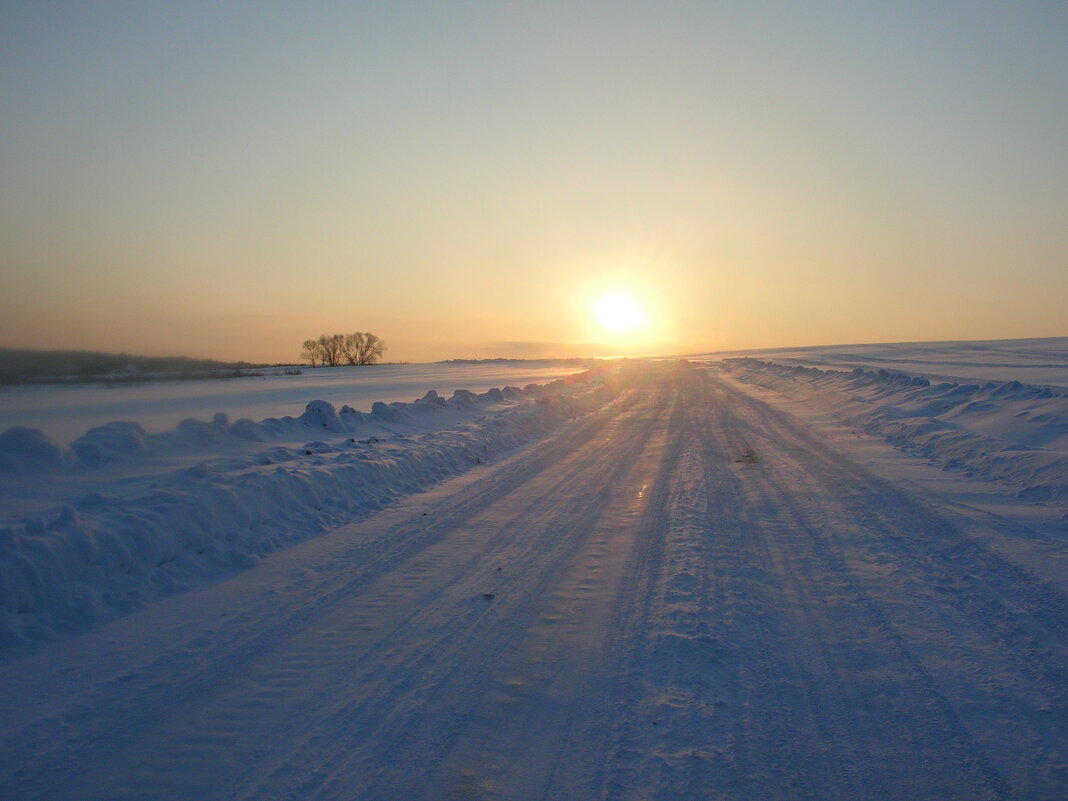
[25,366]
[331,350]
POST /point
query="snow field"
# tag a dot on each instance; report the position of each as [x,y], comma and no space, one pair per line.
[144,515]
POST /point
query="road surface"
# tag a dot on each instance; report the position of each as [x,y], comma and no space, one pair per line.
[690,594]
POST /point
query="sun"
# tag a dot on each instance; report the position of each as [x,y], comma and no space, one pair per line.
[619,312]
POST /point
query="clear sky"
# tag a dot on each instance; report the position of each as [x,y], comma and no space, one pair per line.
[468,178]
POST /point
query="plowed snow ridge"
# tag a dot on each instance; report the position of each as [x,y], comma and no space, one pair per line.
[124,517]
[1006,430]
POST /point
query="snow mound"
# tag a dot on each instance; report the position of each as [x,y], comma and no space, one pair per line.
[130,516]
[320,414]
[28,450]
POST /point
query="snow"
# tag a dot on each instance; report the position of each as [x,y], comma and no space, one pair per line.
[1031,361]
[658,580]
[68,411]
[1009,431]
[124,516]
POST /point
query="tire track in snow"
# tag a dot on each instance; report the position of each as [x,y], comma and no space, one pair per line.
[912,570]
[132,706]
[357,667]
[780,688]
[538,733]
[703,646]
[414,731]
[1017,618]
[861,677]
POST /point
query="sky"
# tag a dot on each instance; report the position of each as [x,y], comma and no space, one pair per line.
[471,179]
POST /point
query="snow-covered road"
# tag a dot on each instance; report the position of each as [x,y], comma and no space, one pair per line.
[690,594]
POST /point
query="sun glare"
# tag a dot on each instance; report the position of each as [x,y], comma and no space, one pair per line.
[619,313]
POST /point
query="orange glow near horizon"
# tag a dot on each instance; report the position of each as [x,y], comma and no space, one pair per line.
[333,173]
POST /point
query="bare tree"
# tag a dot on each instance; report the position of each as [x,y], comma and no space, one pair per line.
[334,349]
[371,349]
[363,348]
[331,349]
[352,347]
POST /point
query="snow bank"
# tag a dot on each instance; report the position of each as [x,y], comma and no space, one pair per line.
[27,449]
[1007,431]
[135,516]
[1041,362]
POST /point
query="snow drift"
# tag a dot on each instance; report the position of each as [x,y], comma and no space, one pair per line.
[1006,431]
[121,516]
